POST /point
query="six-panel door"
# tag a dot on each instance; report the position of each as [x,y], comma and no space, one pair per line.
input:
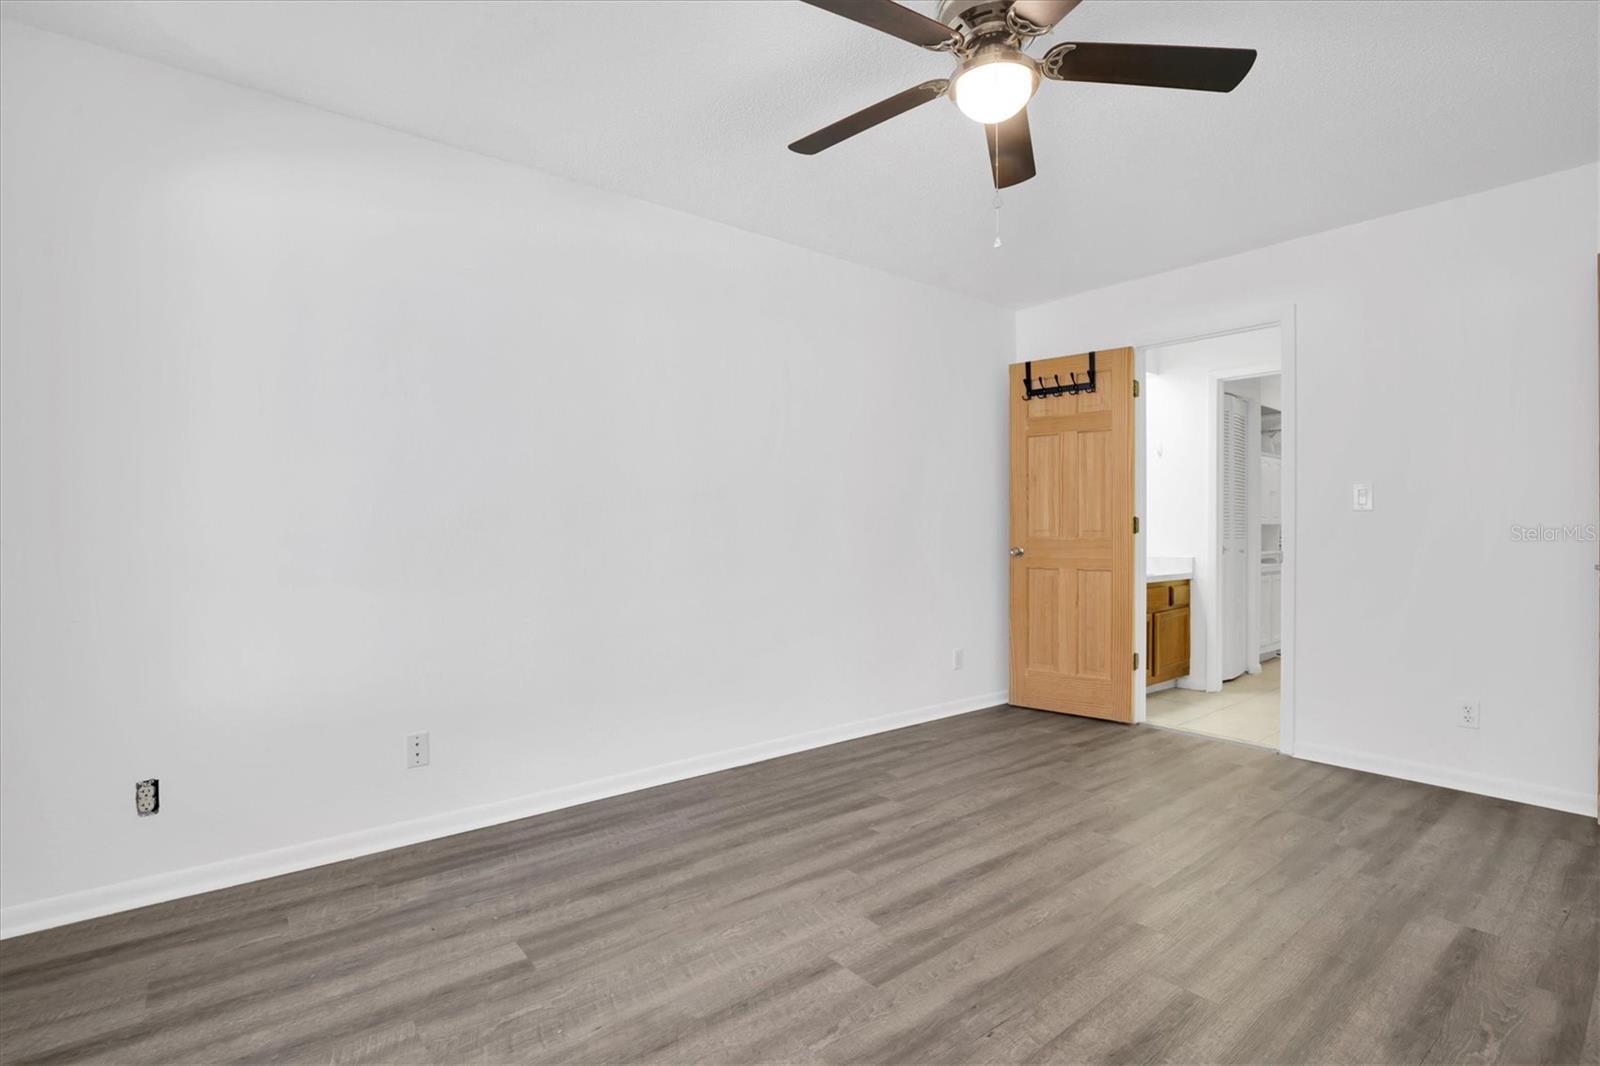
[1072,519]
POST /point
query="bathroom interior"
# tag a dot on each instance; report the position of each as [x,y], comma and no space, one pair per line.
[1215,558]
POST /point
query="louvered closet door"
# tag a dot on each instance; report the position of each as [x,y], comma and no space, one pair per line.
[1235,535]
[1072,541]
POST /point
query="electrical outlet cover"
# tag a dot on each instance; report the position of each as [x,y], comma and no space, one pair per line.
[417,754]
[147,797]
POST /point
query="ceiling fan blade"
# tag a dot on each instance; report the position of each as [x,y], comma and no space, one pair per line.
[1035,17]
[1169,66]
[1010,151]
[886,16]
[868,117]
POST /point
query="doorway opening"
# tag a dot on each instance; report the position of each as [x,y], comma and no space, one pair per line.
[1213,455]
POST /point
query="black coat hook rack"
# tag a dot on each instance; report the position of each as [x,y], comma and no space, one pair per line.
[1036,388]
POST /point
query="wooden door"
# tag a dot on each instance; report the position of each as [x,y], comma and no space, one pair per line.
[1072,584]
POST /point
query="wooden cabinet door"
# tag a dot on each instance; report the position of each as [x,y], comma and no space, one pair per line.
[1072,610]
[1149,649]
[1172,642]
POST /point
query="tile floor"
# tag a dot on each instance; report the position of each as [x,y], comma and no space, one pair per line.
[1245,710]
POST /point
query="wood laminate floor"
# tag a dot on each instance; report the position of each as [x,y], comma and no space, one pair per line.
[1002,886]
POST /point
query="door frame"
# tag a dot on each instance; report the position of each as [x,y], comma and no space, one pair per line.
[1217,382]
[1223,323]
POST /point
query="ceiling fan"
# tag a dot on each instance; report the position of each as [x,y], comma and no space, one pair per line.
[994,78]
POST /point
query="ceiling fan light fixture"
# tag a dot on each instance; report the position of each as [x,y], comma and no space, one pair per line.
[994,77]
[994,84]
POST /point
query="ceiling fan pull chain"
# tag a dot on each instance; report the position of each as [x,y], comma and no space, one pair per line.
[997,218]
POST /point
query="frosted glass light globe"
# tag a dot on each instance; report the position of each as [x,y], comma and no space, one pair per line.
[992,92]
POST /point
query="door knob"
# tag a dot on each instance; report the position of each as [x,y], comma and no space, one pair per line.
[1015,552]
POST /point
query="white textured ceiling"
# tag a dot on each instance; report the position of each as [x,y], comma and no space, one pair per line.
[1354,110]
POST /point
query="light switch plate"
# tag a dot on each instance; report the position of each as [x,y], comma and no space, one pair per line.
[1361,496]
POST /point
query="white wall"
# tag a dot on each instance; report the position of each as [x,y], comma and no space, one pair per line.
[1180,463]
[315,434]
[1447,355]
[1272,391]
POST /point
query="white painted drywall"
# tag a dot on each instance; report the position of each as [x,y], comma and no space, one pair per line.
[317,434]
[1180,458]
[313,435]
[1272,391]
[1447,356]
[1353,110]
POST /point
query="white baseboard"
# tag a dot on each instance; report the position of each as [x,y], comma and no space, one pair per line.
[126,895]
[1462,780]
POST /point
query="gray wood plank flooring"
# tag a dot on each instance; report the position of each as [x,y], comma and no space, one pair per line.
[1004,886]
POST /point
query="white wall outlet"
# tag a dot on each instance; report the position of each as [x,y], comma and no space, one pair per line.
[147,797]
[416,750]
[1361,496]
[1467,714]
[958,658]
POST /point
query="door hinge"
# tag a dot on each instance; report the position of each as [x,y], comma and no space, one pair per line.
[1135,524]
[1135,662]
[1135,388]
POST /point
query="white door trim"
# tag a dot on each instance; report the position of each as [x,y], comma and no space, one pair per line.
[1217,385]
[1240,320]
[1218,382]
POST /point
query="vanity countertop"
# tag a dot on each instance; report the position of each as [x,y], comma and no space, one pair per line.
[1168,568]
